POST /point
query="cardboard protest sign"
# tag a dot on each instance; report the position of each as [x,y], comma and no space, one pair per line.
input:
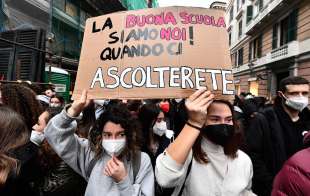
[155,53]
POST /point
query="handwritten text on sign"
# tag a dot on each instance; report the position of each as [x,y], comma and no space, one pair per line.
[143,53]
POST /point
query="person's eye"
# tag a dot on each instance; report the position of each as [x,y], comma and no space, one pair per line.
[229,120]
[122,135]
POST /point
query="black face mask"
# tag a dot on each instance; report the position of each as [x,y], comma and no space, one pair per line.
[219,134]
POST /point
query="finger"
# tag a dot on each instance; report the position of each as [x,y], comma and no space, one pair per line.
[83,97]
[203,96]
[204,101]
[197,93]
[112,165]
[115,160]
[207,105]
[107,170]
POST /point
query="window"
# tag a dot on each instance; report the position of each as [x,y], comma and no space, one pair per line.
[275,36]
[249,13]
[285,31]
[240,28]
[255,48]
[288,28]
[71,9]
[238,5]
[60,4]
[253,87]
[229,38]
[237,89]
[235,57]
[260,4]
[240,57]
[231,14]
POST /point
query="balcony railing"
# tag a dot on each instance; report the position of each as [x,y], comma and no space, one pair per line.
[286,51]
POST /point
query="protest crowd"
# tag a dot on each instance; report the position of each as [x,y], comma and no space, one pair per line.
[200,145]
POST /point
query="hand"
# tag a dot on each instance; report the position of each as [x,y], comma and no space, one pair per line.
[197,105]
[78,105]
[115,169]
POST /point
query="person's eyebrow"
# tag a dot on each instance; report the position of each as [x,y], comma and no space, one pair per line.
[214,116]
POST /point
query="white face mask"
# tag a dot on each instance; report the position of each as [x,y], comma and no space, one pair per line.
[160,128]
[178,100]
[101,102]
[55,105]
[298,103]
[114,147]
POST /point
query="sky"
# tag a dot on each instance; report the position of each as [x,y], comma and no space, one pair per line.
[194,3]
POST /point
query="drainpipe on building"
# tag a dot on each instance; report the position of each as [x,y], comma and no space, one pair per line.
[295,67]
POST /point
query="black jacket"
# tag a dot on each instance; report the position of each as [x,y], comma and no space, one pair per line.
[272,138]
[24,182]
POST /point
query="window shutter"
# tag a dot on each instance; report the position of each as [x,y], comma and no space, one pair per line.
[250,51]
[275,36]
[292,26]
[249,13]
[260,45]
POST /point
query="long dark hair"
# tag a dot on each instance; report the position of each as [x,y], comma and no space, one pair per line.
[13,134]
[87,122]
[118,114]
[23,100]
[230,149]
[49,159]
[147,116]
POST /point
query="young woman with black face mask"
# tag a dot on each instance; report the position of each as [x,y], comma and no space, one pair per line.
[204,159]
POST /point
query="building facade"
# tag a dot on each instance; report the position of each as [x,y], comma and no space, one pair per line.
[269,40]
[218,5]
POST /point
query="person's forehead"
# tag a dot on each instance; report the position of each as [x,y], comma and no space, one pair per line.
[112,127]
[297,87]
[219,109]
[161,115]
[54,99]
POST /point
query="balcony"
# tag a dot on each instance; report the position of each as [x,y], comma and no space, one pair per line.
[42,4]
[272,7]
[286,51]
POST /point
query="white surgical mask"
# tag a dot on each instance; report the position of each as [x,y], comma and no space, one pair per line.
[55,105]
[178,100]
[160,128]
[298,103]
[169,134]
[114,147]
[101,102]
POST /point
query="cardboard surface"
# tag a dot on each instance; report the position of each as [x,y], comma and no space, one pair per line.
[155,53]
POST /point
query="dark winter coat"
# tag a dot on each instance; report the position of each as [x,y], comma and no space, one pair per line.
[271,139]
[23,183]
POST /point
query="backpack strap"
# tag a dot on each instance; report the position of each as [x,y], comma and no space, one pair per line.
[187,173]
[91,167]
[136,163]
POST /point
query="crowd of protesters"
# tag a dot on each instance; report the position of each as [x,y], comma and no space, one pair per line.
[196,146]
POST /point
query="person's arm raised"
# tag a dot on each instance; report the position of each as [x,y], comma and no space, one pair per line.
[60,134]
[196,105]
